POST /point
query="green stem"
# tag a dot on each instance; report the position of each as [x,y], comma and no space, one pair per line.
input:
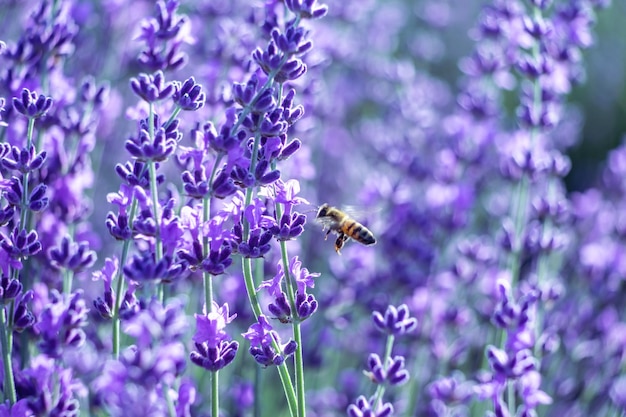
[521,207]
[171,412]
[270,80]
[158,250]
[250,289]
[155,206]
[26,176]
[68,277]
[380,391]
[215,398]
[283,372]
[511,397]
[208,293]
[257,391]
[172,116]
[119,277]
[294,405]
[298,356]
[299,365]
[9,383]
[413,390]
[206,214]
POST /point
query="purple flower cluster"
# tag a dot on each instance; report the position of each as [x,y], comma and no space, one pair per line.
[180,164]
[389,371]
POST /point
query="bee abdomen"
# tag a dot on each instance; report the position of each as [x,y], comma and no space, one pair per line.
[360,233]
[366,237]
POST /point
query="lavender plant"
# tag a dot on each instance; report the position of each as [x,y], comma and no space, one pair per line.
[159,163]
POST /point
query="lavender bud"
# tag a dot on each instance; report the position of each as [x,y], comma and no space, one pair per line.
[307,9]
[37,200]
[31,104]
[189,96]
[395,320]
[290,348]
[21,244]
[537,28]
[10,288]
[288,150]
[152,88]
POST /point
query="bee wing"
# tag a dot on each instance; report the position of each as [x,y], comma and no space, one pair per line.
[356,212]
[360,212]
[327,222]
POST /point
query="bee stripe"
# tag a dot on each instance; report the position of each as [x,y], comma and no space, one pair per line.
[366,237]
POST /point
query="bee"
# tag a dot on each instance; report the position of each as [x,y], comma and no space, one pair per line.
[345,226]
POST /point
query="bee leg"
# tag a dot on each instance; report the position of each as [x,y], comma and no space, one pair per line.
[327,233]
[340,241]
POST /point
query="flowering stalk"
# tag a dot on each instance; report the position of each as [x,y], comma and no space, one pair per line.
[21,244]
[394,322]
[9,383]
[302,306]
[259,113]
[297,335]
[522,193]
[119,289]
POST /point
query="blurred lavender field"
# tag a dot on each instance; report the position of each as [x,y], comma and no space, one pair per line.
[162,164]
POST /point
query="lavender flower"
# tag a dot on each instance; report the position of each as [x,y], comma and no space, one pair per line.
[152,88]
[188,96]
[9,288]
[265,344]
[214,349]
[164,35]
[498,227]
[73,256]
[395,321]
[153,363]
[362,407]
[31,104]
[61,323]
[48,388]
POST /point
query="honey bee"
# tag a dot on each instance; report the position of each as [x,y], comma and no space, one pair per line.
[345,226]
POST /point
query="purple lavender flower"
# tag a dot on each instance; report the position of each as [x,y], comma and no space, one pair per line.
[19,409]
[71,255]
[158,323]
[188,95]
[364,407]
[214,349]
[152,88]
[392,372]
[20,244]
[136,381]
[262,338]
[258,243]
[61,323]
[306,305]
[23,160]
[145,267]
[104,306]
[164,35]
[48,388]
[31,104]
[158,147]
[23,317]
[280,308]
[395,321]
[9,288]
[451,390]
[36,200]
[307,9]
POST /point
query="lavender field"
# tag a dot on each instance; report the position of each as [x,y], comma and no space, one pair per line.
[165,251]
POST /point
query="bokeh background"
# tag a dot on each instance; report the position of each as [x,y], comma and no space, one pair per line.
[381,97]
